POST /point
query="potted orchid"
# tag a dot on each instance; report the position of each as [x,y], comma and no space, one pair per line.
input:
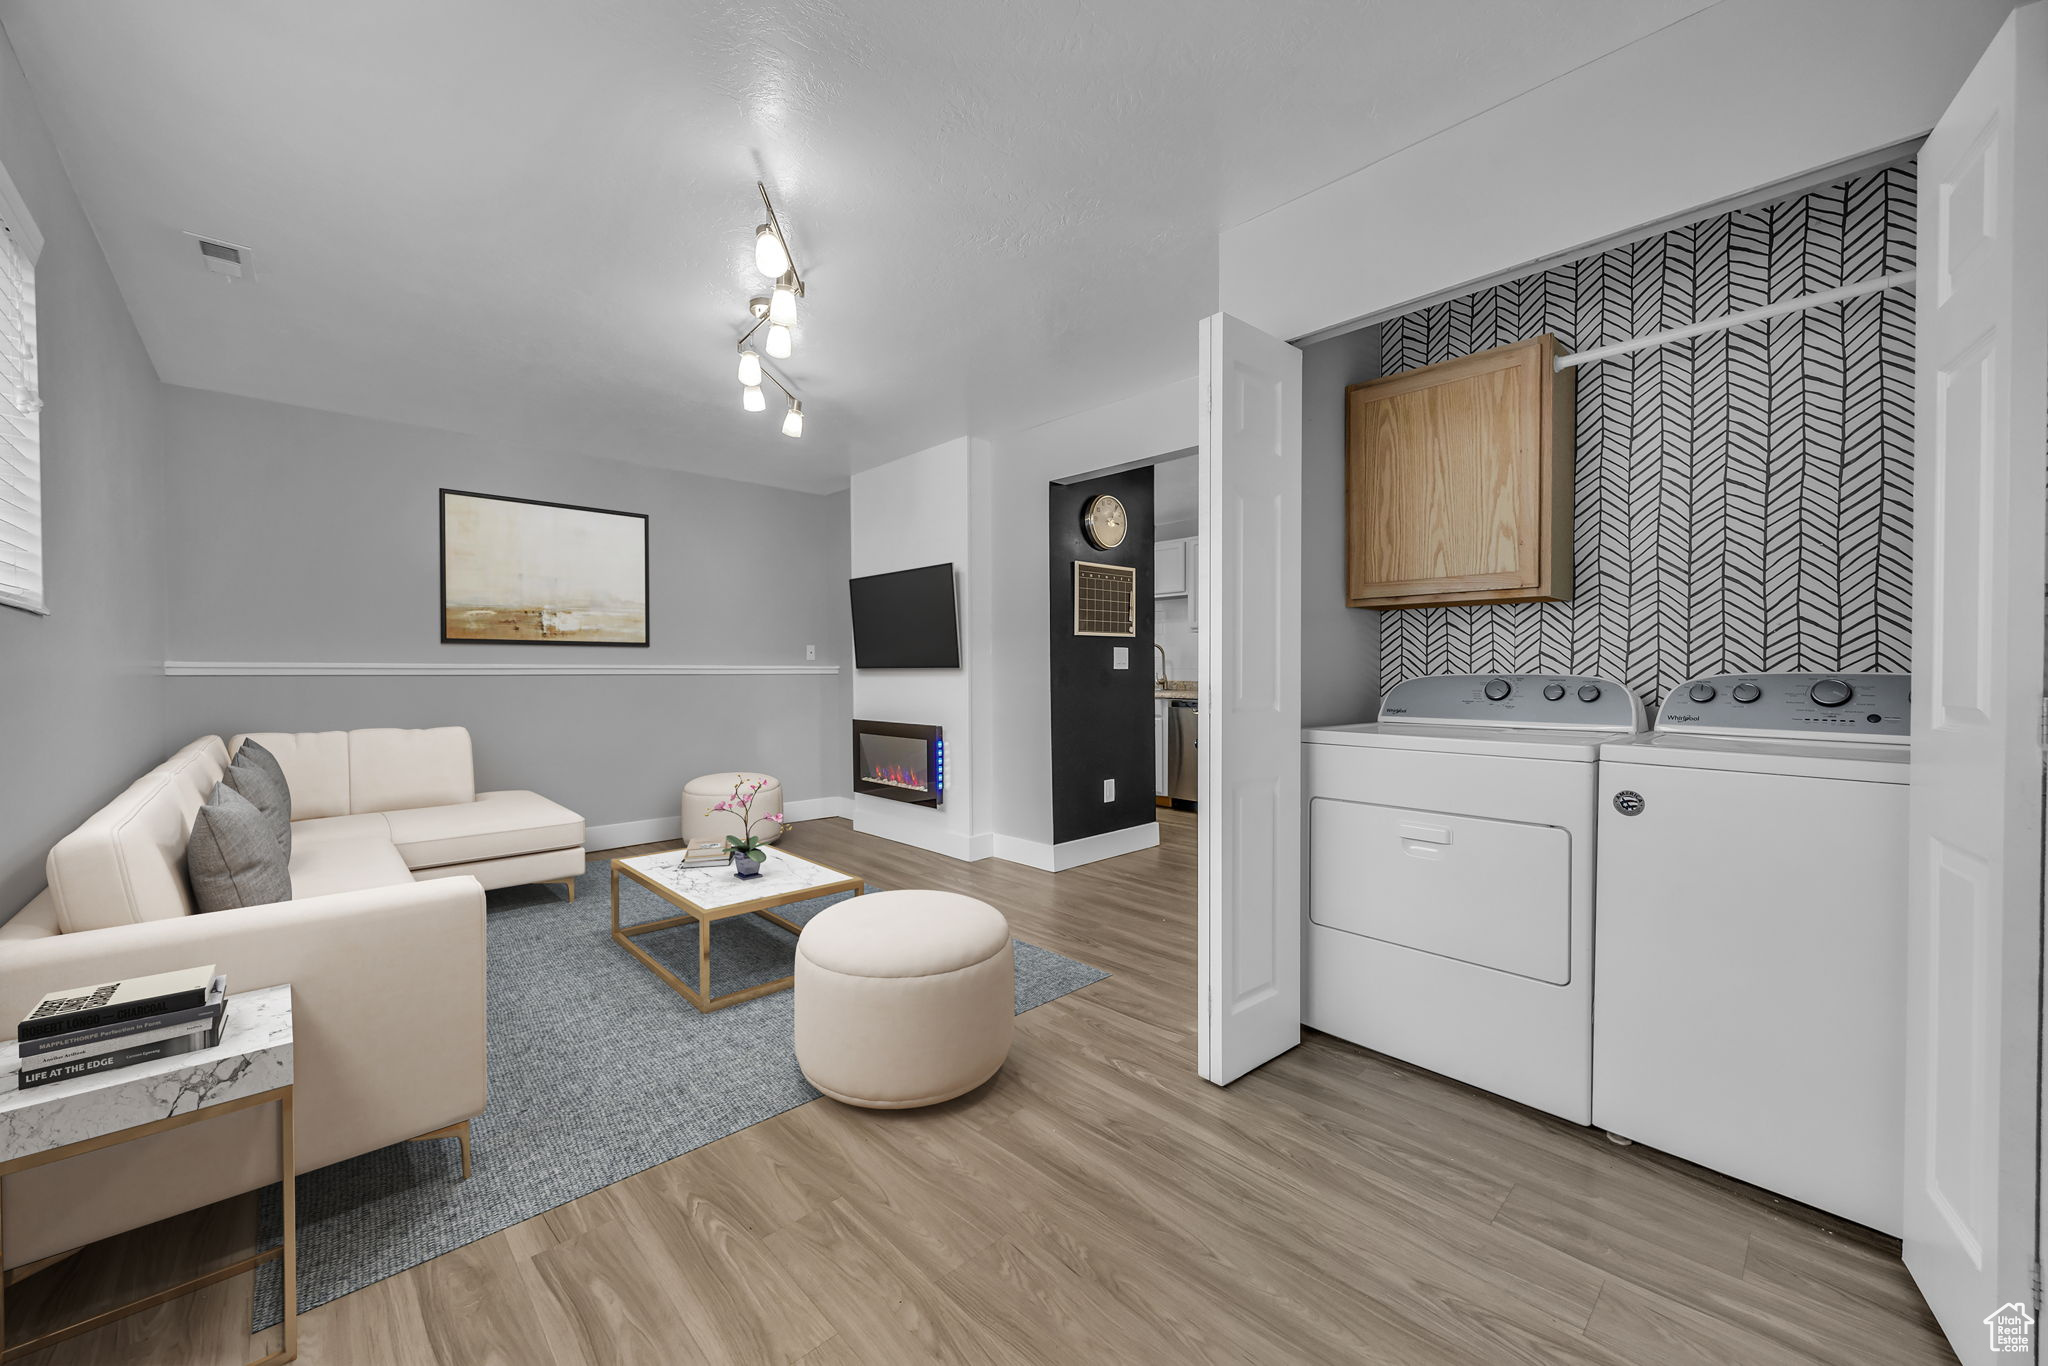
[746,847]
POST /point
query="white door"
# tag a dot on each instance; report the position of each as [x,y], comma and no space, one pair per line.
[1249,788]
[1973,961]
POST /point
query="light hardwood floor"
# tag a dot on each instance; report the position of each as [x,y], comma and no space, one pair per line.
[1097,1202]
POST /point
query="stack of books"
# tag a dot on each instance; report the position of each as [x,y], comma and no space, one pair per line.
[83,1030]
[706,853]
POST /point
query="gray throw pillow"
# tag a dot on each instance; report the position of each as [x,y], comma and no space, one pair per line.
[255,774]
[232,858]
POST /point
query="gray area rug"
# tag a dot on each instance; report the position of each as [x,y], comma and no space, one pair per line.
[597,1071]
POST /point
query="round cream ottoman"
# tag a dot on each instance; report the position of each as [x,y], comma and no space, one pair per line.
[700,822]
[904,998]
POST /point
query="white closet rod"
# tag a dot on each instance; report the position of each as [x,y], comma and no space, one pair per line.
[1903,280]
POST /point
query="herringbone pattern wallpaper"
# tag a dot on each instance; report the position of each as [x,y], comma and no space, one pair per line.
[1743,500]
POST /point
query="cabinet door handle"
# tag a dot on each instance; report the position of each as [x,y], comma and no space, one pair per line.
[1428,834]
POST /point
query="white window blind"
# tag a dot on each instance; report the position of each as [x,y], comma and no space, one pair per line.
[21,484]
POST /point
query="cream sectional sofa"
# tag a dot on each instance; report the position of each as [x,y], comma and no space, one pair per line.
[383,943]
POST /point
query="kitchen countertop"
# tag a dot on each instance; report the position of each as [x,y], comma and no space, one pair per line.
[1176,694]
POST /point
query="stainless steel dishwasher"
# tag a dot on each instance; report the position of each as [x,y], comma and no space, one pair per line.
[1183,751]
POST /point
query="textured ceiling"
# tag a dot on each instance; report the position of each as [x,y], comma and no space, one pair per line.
[533,219]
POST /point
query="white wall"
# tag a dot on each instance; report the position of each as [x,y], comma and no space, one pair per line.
[929,508]
[1142,427]
[1747,94]
[81,690]
[1340,644]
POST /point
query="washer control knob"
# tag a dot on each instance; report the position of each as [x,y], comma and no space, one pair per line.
[1745,692]
[1589,692]
[1701,692]
[1830,692]
[1498,690]
[1553,691]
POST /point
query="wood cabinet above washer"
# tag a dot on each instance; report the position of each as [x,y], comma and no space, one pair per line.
[1459,481]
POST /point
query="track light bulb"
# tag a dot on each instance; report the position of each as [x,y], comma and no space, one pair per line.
[771,258]
[778,341]
[782,303]
[793,421]
[751,399]
[750,368]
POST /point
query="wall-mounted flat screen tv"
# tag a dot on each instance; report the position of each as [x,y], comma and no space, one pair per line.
[906,620]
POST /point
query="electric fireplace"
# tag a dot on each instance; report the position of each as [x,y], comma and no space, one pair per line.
[900,762]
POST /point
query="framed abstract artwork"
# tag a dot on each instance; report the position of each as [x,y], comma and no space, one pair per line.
[524,572]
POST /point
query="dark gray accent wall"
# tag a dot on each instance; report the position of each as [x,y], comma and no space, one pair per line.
[1340,644]
[1101,716]
[81,690]
[311,536]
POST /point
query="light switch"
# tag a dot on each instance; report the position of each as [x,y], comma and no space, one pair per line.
[1109,789]
[810,652]
[1120,657]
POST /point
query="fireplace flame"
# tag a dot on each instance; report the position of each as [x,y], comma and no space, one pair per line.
[895,775]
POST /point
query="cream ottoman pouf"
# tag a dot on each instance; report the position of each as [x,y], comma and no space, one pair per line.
[701,794]
[904,998]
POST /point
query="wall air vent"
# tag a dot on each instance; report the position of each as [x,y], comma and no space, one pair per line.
[224,258]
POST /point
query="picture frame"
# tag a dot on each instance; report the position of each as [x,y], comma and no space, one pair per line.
[527,571]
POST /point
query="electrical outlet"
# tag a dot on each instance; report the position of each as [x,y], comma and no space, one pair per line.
[1109,789]
[810,652]
[1120,657]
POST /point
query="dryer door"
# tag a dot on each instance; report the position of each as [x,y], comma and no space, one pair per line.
[1489,892]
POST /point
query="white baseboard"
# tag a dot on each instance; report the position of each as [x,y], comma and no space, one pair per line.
[1057,858]
[817,808]
[1051,858]
[621,833]
[657,828]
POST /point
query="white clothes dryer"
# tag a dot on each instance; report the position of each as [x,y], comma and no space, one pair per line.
[1450,879]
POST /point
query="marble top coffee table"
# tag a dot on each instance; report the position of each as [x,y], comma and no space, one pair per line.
[708,894]
[252,1065]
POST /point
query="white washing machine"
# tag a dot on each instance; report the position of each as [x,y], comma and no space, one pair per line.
[1450,879]
[1751,963]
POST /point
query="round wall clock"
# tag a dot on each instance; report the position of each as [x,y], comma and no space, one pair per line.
[1105,522]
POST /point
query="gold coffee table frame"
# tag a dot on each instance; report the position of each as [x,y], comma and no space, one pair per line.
[700,995]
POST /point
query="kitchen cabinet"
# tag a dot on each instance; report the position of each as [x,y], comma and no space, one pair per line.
[1171,568]
[1177,573]
[1459,481]
[1159,745]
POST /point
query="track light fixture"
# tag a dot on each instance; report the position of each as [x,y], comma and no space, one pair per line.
[775,311]
[771,257]
[782,303]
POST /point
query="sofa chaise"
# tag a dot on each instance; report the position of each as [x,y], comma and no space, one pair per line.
[382,942]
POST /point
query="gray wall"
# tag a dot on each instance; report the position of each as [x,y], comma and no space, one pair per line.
[1340,645]
[80,689]
[310,536]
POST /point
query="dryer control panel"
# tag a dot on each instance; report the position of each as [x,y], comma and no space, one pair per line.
[1566,701]
[1869,707]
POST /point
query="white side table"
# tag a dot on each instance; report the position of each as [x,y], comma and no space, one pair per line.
[251,1066]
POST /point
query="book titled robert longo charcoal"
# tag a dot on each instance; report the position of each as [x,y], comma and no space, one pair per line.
[109,1003]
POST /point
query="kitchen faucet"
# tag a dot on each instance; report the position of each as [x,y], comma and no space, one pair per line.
[1163,679]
